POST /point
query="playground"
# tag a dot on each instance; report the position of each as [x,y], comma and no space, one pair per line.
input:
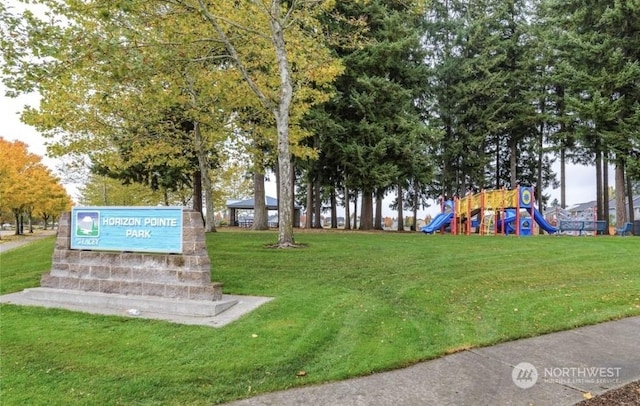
[504,212]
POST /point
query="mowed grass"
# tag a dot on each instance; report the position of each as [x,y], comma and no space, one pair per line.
[347,304]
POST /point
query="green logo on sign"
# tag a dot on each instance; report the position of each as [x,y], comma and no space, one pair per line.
[87,224]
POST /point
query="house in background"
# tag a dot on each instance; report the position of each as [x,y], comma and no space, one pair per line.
[588,209]
[636,209]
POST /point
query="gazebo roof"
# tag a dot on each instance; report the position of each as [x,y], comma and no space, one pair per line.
[249,204]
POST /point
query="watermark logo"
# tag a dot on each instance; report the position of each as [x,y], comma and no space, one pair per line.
[524,375]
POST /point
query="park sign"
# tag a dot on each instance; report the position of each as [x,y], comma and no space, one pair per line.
[133,229]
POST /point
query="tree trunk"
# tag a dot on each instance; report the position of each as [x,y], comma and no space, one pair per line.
[334,209]
[260,213]
[378,218]
[16,214]
[400,209]
[538,190]
[498,183]
[203,164]
[294,218]
[513,177]
[630,198]
[309,220]
[598,181]
[563,147]
[621,212]
[414,226]
[197,192]
[281,113]
[605,192]
[317,207]
[30,220]
[563,178]
[347,209]
[355,210]
[366,211]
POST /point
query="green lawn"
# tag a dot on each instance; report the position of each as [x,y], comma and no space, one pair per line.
[348,304]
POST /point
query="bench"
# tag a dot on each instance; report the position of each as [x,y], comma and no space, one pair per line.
[626,229]
[597,226]
[582,225]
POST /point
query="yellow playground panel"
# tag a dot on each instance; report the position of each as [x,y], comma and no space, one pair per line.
[487,200]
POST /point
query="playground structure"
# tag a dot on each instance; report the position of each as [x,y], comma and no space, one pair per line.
[497,212]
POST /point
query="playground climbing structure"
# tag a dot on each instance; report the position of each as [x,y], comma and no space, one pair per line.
[499,211]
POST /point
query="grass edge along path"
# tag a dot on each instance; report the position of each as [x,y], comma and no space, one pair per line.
[349,304]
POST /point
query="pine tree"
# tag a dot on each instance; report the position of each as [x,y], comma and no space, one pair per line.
[375,136]
[600,49]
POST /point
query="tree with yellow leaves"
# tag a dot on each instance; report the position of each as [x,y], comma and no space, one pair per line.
[108,69]
[27,186]
[289,34]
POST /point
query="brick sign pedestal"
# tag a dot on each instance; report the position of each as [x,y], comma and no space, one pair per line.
[175,287]
[176,276]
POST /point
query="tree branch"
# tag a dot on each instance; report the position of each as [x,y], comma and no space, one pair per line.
[266,102]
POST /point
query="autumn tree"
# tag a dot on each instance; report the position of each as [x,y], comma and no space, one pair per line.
[54,202]
[103,68]
[109,75]
[26,185]
[291,34]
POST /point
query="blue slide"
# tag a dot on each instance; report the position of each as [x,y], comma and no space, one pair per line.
[509,217]
[439,221]
[543,223]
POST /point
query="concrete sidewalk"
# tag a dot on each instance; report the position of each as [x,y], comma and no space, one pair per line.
[554,369]
[26,238]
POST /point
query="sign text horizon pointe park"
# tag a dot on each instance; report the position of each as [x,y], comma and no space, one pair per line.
[135,229]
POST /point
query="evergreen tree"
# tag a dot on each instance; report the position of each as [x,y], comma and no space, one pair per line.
[484,67]
[600,49]
[375,136]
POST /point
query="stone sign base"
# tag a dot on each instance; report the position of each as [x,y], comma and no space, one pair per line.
[129,303]
[192,312]
[173,276]
[171,287]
